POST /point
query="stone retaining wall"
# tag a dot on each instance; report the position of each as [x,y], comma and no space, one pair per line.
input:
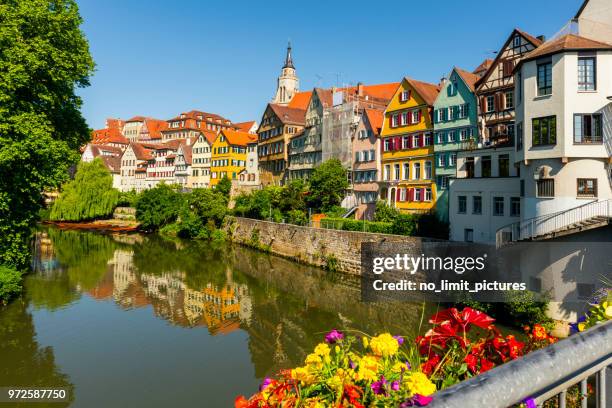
[339,250]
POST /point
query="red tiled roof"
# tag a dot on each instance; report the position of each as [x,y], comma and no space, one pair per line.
[569,42]
[141,151]
[469,78]
[136,119]
[155,127]
[245,126]
[112,163]
[108,135]
[483,67]
[534,40]
[375,118]
[289,115]
[97,150]
[193,114]
[210,136]
[300,100]
[187,150]
[429,92]
[384,92]
[236,138]
[325,96]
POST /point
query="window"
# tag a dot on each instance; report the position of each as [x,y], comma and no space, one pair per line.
[443,182]
[519,136]
[402,194]
[396,168]
[468,235]
[387,146]
[451,136]
[417,194]
[477,205]
[486,166]
[586,187]
[587,73]
[507,67]
[504,165]
[404,96]
[462,204]
[439,115]
[394,120]
[428,196]
[588,128]
[498,206]
[544,131]
[440,138]
[516,41]
[428,139]
[545,78]
[416,174]
[416,116]
[452,159]
[428,170]
[387,171]
[463,134]
[463,111]
[441,160]
[469,167]
[406,171]
[405,142]
[404,118]
[515,206]
[509,103]
[546,188]
[491,103]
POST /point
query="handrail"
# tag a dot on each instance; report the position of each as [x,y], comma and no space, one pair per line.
[549,223]
[540,375]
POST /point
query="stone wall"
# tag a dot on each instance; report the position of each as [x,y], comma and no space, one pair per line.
[339,250]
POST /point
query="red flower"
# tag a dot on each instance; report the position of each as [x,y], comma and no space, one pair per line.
[352,394]
[241,402]
[472,363]
[462,320]
[485,365]
[429,366]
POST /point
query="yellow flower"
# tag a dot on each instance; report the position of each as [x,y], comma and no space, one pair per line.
[367,370]
[581,326]
[364,339]
[313,359]
[398,367]
[337,349]
[384,345]
[302,374]
[418,383]
[608,311]
[322,349]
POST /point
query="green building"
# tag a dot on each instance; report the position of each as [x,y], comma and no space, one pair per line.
[455,128]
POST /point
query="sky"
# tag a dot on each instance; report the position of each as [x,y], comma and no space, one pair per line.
[160,58]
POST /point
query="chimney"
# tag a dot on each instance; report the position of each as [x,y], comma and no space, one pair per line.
[359,88]
[541,38]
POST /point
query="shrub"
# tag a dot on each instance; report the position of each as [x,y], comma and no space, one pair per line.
[384,213]
[347,224]
[297,217]
[404,224]
[328,183]
[526,308]
[224,187]
[158,206]
[128,198]
[10,283]
[89,196]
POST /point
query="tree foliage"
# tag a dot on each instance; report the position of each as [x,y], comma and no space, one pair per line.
[327,185]
[89,196]
[224,186]
[44,58]
[158,206]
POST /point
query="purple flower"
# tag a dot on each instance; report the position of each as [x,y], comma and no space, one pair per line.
[400,339]
[266,382]
[395,385]
[408,366]
[333,336]
[530,403]
[352,364]
[417,400]
[379,386]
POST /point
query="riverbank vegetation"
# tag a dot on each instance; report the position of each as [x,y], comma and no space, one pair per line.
[354,369]
[44,58]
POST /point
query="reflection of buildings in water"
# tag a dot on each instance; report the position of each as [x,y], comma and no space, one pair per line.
[219,309]
[44,261]
[166,292]
[123,274]
[246,303]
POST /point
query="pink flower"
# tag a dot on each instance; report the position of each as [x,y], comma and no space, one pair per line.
[333,336]
[417,400]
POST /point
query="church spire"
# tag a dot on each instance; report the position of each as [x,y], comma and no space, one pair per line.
[288,59]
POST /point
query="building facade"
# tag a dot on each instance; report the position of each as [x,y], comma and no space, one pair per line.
[229,155]
[456,125]
[408,179]
[288,83]
[182,163]
[201,156]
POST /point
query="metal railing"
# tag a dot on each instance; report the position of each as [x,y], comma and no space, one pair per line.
[549,223]
[541,375]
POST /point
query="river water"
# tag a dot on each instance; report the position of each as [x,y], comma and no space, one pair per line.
[143,321]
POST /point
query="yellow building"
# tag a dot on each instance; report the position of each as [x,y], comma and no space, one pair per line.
[229,154]
[408,179]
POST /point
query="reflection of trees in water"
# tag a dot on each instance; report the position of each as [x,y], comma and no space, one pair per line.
[24,362]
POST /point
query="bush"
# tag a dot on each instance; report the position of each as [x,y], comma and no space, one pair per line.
[128,199]
[404,224]
[89,196]
[297,217]
[347,224]
[328,183]
[524,308]
[158,206]
[10,283]
[224,187]
[384,213]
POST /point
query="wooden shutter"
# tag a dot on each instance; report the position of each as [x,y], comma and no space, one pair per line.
[483,104]
[411,194]
[397,195]
[422,194]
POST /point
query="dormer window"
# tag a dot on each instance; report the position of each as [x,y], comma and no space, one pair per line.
[404,95]
[516,41]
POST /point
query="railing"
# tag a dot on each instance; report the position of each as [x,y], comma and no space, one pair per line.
[541,375]
[549,223]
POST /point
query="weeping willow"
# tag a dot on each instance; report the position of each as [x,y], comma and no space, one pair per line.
[89,196]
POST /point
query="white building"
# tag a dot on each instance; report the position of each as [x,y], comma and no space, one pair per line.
[564,124]
[201,154]
[485,196]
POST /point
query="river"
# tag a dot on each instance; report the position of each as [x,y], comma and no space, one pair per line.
[143,321]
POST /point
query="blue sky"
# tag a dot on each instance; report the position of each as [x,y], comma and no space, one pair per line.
[159,58]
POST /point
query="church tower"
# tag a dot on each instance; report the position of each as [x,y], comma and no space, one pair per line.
[288,82]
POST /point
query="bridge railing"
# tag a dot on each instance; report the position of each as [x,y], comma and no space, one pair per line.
[541,375]
[548,223]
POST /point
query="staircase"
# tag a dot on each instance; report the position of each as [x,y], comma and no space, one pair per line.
[591,215]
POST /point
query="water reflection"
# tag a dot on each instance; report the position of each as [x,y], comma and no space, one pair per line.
[280,308]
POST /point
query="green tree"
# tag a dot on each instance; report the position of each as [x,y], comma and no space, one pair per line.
[44,58]
[327,185]
[158,206]
[224,186]
[384,213]
[89,196]
[208,205]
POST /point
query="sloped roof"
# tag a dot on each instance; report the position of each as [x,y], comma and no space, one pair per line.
[289,115]
[300,100]
[245,126]
[237,138]
[383,92]
[429,92]
[375,118]
[568,42]
[325,96]
[141,152]
[469,78]
[136,119]
[112,163]
[210,136]
[193,114]
[534,40]
[481,69]
[187,150]
[108,135]
[155,127]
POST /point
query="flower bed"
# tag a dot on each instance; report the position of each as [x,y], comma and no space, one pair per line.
[361,371]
